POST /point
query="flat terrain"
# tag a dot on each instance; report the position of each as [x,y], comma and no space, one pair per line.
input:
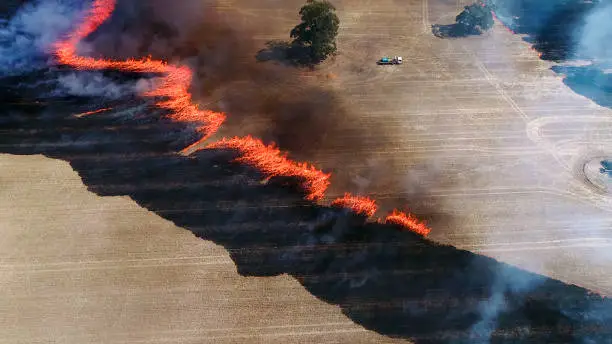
[494,140]
[77,268]
[481,139]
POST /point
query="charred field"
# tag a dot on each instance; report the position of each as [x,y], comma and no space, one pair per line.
[481,182]
[392,282]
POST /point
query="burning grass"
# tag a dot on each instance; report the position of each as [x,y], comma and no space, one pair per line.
[273,163]
[357,204]
[408,222]
[173,92]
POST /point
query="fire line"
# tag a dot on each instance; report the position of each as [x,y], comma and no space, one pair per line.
[173,88]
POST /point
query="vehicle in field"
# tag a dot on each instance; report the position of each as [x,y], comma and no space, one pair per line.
[390,60]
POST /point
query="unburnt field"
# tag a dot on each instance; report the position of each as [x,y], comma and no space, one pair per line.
[476,135]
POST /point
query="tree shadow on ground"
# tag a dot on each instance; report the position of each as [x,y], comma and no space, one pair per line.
[454,31]
[389,281]
[472,21]
[286,53]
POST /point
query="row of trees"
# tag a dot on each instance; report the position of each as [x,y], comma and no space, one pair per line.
[318,29]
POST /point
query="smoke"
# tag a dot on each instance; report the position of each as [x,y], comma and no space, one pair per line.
[508,281]
[273,101]
[278,103]
[26,38]
[270,100]
[595,41]
[92,84]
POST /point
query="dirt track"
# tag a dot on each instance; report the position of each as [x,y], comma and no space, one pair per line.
[484,141]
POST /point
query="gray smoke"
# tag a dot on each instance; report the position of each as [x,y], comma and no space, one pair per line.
[590,38]
[26,42]
[508,280]
[26,38]
[595,41]
[95,84]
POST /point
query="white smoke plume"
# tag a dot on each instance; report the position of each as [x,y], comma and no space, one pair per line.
[26,38]
[26,42]
[95,84]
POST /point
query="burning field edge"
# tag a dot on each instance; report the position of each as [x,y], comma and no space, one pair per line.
[174,89]
[393,282]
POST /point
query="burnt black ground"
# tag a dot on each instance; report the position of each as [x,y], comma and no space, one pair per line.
[553,29]
[392,282]
[395,283]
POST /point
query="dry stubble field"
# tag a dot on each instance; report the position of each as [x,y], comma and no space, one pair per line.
[481,139]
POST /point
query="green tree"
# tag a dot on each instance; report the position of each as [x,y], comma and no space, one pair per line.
[476,17]
[318,29]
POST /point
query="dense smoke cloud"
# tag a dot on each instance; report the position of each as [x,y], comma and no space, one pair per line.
[264,99]
[270,100]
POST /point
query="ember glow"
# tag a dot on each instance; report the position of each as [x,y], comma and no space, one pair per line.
[408,222]
[172,90]
[88,113]
[357,204]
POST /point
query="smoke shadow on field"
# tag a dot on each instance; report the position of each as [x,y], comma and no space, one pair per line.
[392,282]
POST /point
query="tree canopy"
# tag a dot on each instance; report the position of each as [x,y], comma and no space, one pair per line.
[318,29]
[476,16]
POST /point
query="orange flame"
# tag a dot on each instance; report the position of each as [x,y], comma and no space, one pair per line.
[174,86]
[358,204]
[502,23]
[514,33]
[272,163]
[83,114]
[173,89]
[407,221]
